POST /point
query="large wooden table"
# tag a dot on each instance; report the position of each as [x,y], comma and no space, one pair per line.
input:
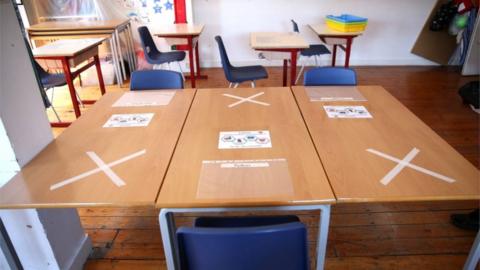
[72,154]
[214,111]
[281,42]
[71,53]
[110,29]
[191,33]
[324,33]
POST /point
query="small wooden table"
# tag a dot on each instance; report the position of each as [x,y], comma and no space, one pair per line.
[72,52]
[323,32]
[280,42]
[287,176]
[110,29]
[97,160]
[191,33]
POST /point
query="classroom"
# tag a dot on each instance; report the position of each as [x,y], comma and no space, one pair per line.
[239,135]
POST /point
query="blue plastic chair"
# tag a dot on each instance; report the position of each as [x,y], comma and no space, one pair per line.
[153,55]
[280,246]
[330,76]
[155,79]
[237,75]
[50,81]
[314,50]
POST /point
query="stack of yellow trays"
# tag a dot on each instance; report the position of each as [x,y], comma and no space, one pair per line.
[346,23]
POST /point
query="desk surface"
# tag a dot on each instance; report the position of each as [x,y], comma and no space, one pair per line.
[324,30]
[77,25]
[356,174]
[66,47]
[179,29]
[270,40]
[66,157]
[209,115]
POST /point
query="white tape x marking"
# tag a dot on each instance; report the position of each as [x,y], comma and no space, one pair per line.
[106,168]
[247,99]
[405,162]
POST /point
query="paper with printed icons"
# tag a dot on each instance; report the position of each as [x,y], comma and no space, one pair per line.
[144,99]
[347,112]
[244,139]
[129,120]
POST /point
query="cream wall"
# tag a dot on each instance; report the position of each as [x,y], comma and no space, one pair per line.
[393,27]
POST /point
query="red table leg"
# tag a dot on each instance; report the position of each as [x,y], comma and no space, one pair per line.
[347,51]
[334,54]
[192,64]
[285,67]
[99,74]
[293,67]
[71,87]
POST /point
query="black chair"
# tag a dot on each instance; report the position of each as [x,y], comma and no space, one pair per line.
[50,81]
[314,50]
[155,79]
[153,55]
[237,75]
[237,243]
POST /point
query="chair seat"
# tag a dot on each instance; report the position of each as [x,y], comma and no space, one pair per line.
[248,73]
[53,80]
[166,57]
[315,49]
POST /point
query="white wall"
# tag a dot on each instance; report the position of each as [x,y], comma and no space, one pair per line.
[392,29]
[21,106]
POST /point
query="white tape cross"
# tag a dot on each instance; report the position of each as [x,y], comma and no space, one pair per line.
[405,162]
[247,99]
[106,168]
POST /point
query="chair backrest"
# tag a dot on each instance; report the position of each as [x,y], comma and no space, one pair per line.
[281,246]
[224,57]
[330,76]
[295,26]
[149,47]
[41,72]
[155,79]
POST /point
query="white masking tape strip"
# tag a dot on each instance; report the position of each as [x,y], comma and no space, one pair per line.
[94,171]
[412,166]
[247,99]
[106,169]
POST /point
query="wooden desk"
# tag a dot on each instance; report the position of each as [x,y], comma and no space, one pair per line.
[191,33]
[110,29]
[67,157]
[209,115]
[73,52]
[324,32]
[358,175]
[281,42]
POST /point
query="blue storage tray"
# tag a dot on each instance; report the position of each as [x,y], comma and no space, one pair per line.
[347,18]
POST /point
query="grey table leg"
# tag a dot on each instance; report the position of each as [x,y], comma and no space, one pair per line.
[474,255]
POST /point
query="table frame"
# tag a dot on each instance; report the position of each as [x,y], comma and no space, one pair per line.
[70,76]
[113,35]
[347,48]
[192,44]
[168,228]
[293,62]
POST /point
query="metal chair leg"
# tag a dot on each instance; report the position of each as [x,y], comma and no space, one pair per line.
[79,99]
[300,73]
[235,85]
[55,112]
[230,85]
[253,84]
[181,71]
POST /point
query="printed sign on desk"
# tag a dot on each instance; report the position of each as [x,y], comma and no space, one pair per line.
[129,120]
[347,112]
[244,139]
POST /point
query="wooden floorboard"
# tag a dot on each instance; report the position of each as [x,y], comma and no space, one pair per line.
[408,235]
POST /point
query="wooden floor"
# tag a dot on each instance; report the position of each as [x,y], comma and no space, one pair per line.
[362,236]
